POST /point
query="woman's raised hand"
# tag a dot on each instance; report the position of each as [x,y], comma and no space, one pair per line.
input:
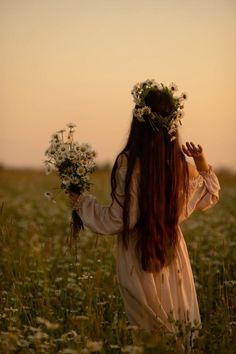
[191,150]
[196,152]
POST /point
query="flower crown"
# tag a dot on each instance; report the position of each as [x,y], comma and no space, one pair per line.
[170,122]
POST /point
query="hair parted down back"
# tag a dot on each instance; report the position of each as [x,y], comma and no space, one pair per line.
[163,186]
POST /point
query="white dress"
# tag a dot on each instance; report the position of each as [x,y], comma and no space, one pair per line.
[152,299]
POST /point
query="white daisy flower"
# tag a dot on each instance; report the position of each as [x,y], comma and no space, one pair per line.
[180,114]
[62,149]
[50,151]
[173,87]
[55,137]
[146,110]
[81,171]
[76,147]
[83,162]
[85,178]
[71,155]
[90,154]
[71,125]
[66,180]
[183,96]
[60,158]
[84,148]
[93,346]
[138,114]
[49,196]
[61,131]
[74,180]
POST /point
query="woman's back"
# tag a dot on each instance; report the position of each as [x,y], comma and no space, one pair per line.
[153,190]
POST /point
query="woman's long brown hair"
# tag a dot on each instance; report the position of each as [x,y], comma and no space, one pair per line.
[163,186]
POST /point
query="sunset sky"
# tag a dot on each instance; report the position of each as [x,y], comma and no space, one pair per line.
[76,61]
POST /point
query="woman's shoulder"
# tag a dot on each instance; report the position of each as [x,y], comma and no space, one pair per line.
[122,162]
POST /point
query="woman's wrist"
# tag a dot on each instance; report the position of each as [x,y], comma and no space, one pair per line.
[201,163]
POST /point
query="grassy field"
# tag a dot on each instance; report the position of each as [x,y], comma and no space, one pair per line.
[55,302]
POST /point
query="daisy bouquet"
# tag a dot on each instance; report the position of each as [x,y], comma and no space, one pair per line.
[74,164]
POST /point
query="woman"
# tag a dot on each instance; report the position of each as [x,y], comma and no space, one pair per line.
[153,190]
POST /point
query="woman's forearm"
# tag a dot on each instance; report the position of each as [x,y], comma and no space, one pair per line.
[201,163]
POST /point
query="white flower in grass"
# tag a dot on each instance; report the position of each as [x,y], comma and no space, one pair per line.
[173,87]
[132,349]
[81,171]
[49,196]
[93,346]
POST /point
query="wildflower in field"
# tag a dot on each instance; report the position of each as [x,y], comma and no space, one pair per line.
[68,336]
[49,196]
[114,346]
[82,318]
[230,283]
[68,351]
[94,346]
[48,324]
[132,349]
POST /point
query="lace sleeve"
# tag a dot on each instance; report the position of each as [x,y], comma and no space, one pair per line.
[103,219]
[204,191]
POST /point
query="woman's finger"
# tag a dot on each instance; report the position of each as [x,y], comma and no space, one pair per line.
[195,149]
[200,149]
[189,147]
[186,151]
